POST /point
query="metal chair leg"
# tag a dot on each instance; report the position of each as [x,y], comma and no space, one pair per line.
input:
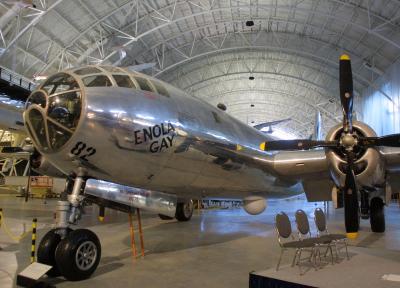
[299,262]
[330,248]
[315,251]
[336,251]
[347,252]
[326,251]
[294,258]
[280,258]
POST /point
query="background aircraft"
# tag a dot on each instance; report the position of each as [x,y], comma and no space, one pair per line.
[126,139]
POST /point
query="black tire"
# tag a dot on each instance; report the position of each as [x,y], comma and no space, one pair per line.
[165,217]
[72,247]
[47,250]
[377,215]
[184,211]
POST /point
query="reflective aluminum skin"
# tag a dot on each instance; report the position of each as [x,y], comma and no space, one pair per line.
[151,135]
[152,201]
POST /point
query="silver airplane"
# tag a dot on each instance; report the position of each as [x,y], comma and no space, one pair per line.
[128,140]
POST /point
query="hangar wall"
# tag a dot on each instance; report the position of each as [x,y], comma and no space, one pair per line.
[382,114]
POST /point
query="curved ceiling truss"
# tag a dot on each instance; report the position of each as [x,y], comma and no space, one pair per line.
[191,44]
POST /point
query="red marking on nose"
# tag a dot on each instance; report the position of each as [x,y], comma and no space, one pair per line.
[149,95]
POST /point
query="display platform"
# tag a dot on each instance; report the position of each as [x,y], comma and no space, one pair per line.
[367,268]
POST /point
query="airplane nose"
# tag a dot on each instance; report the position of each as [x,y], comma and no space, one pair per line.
[52,112]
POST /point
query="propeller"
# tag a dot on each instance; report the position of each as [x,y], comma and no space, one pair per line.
[388,140]
[299,144]
[346,92]
[347,142]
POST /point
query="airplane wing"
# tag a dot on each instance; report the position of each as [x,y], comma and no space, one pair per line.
[11,115]
[289,167]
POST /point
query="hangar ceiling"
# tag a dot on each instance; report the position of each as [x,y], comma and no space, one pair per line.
[212,48]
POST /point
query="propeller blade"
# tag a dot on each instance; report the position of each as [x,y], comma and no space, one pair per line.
[346,92]
[388,140]
[351,198]
[299,144]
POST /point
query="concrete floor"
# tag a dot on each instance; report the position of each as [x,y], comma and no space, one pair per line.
[216,248]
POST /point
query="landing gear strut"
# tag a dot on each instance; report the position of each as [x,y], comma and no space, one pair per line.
[364,204]
[73,254]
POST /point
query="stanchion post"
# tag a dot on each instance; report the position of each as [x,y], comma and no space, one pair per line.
[140,232]
[133,245]
[33,248]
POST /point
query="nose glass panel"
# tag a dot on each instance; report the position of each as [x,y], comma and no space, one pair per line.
[37,122]
[65,108]
[38,98]
[54,111]
[57,135]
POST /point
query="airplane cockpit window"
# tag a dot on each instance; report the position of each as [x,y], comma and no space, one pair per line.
[37,122]
[96,81]
[38,98]
[87,70]
[58,136]
[144,84]
[58,83]
[160,89]
[65,109]
[124,81]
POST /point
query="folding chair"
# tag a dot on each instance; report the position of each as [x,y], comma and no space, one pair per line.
[303,228]
[323,233]
[284,231]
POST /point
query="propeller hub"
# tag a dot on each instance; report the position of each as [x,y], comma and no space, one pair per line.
[348,141]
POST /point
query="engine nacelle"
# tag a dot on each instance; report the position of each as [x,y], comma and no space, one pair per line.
[369,166]
[254,205]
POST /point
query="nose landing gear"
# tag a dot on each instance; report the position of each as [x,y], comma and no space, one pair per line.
[78,255]
[73,254]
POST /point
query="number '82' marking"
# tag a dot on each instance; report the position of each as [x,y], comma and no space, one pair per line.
[82,147]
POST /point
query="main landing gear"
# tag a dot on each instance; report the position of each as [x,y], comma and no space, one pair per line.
[74,254]
[372,207]
[184,211]
[377,215]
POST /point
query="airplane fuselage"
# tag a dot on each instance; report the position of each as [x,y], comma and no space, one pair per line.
[173,143]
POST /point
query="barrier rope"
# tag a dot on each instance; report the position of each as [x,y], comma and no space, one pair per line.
[8,231]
